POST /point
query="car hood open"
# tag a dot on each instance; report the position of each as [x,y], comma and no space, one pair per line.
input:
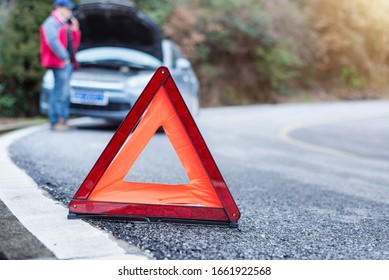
[109,24]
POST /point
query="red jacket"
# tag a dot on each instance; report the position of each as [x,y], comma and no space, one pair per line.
[53,55]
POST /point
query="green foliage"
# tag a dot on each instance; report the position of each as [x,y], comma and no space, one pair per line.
[279,66]
[7,104]
[350,77]
[19,49]
[353,37]
[241,39]
[157,10]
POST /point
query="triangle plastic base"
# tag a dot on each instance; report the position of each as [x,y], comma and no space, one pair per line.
[127,218]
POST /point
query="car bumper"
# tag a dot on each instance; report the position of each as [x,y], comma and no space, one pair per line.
[117,108]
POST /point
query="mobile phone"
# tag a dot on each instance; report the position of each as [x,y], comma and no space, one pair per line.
[70,20]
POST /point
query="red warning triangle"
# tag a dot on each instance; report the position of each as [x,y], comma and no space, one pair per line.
[105,194]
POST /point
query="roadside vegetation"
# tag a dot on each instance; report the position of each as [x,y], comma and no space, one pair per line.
[244,52]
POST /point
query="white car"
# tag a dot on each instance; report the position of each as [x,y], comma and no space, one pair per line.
[119,52]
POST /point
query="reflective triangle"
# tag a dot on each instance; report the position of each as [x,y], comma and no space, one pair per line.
[106,193]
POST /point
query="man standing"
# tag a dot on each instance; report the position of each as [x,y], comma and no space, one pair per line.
[59,40]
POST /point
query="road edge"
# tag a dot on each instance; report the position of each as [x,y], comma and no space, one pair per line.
[46,218]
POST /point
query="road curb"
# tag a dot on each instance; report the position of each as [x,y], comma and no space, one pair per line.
[46,218]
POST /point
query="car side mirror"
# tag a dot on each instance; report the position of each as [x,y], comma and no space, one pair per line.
[182,63]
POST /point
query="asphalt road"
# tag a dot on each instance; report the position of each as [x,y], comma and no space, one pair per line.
[311,181]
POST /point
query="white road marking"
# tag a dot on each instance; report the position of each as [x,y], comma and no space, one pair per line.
[47,219]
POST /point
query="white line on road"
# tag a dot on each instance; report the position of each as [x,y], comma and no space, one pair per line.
[47,219]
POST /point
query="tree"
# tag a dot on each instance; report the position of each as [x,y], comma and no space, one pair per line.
[20,70]
[354,40]
[238,47]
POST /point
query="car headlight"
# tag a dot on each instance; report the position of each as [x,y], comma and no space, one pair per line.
[48,80]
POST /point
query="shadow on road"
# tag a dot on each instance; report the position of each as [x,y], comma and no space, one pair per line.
[98,125]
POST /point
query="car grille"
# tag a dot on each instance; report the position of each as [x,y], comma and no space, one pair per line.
[112,106]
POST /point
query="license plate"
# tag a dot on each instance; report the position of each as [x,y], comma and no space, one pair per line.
[89,97]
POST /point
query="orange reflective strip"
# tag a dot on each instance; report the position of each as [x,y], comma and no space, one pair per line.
[112,187]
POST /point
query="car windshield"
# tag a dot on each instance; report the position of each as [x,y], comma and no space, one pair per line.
[116,57]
